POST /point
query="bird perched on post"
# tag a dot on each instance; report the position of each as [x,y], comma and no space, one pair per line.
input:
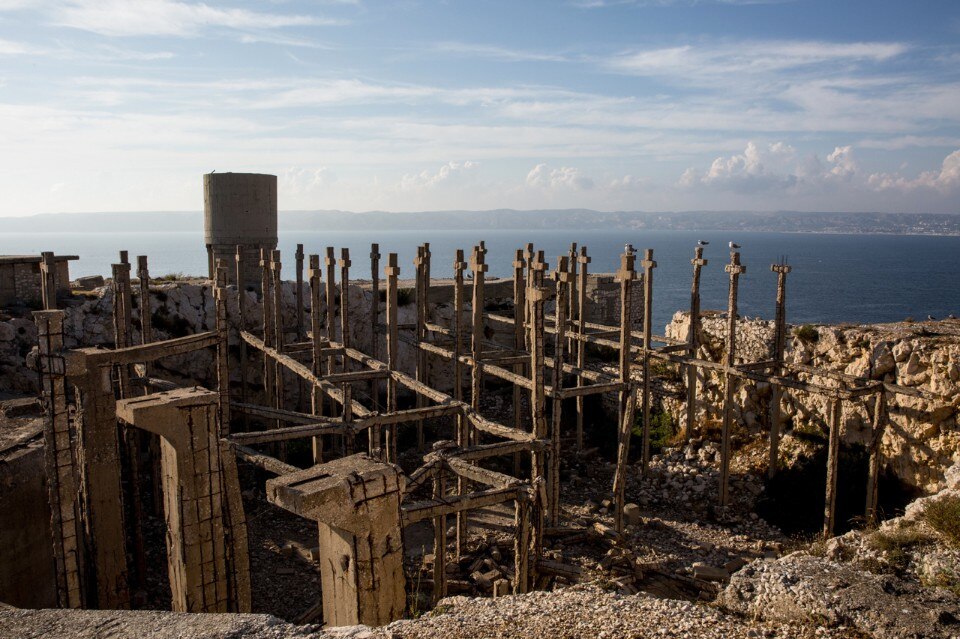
[734,246]
[702,242]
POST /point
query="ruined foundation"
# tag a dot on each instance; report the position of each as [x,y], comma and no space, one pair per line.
[113,429]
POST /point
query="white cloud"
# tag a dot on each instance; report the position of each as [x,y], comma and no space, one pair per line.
[566,177]
[497,53]
[170,18]
[451,172]
[945,180]
[705,61]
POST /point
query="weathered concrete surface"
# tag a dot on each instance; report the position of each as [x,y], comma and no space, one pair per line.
[206,538]
[26,552]
[356,504]
[102,624]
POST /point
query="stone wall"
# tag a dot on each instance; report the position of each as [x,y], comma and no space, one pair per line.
[922,440]
[27,579]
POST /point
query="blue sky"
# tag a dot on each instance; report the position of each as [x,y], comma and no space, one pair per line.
[122,105]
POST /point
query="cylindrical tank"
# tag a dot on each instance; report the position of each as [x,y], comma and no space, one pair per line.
[239,211]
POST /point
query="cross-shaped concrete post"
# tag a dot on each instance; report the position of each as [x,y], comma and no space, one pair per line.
[626,275]
[779,346]
[582,311]
[648,265]
[693,342]
[734,269]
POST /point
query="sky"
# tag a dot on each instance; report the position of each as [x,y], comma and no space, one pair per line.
[654,105]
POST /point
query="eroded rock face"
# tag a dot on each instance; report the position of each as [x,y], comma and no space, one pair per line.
[923,439]
[808,589]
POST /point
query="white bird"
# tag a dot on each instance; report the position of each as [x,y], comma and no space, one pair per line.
[734,246]
[931,318]
[951,316]
[702,242]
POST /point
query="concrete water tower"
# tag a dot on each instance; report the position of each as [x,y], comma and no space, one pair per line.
[239,210]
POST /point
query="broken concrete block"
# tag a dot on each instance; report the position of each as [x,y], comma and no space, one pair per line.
[631,514]
[707,572]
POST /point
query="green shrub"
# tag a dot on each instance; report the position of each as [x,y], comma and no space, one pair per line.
[896,545]
[406,296]
[171,277]
[602,353]
[662,429]
[943,516]
[806,333]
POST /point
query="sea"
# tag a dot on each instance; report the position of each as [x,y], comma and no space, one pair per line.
[854,279]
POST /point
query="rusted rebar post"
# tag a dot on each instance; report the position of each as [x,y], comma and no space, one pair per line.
[439,541]
[48,281]
[835,423]
[734,269]
[392,272]
[521,544]
[242,326]
[879,426]
[536,296]
[122,321]
[626,275]
[266,284]
[572,299]
[779,346]
[123,331]
[463,434]
[562,277]
[519,339]
[331,294]
[223,347]
[315,275]
[146,337]
[582,318]
[693,343]
[375,319]
[648,265]
[346,441]
[298,300]
[479,268]
[298,256]
[276,282]
[420,361]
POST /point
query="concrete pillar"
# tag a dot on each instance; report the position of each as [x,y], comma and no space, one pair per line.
[779,346]
[734,269]
[61,463]
[206,531]
[240,213]
[693,343]
[356,503]
[98,458]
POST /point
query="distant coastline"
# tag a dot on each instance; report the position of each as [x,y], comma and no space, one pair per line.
[923,224]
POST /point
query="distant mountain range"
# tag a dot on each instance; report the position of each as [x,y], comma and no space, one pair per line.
[777,221]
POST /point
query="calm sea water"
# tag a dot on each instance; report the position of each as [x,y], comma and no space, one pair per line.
[835,278]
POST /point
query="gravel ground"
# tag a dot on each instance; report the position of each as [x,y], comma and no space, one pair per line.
[588,611]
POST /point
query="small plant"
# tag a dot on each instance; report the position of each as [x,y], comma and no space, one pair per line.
[807,333]
[666,370]
[662,429]
[943,516]
[896,545]
[171,277]
[405,296]
[602,353]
